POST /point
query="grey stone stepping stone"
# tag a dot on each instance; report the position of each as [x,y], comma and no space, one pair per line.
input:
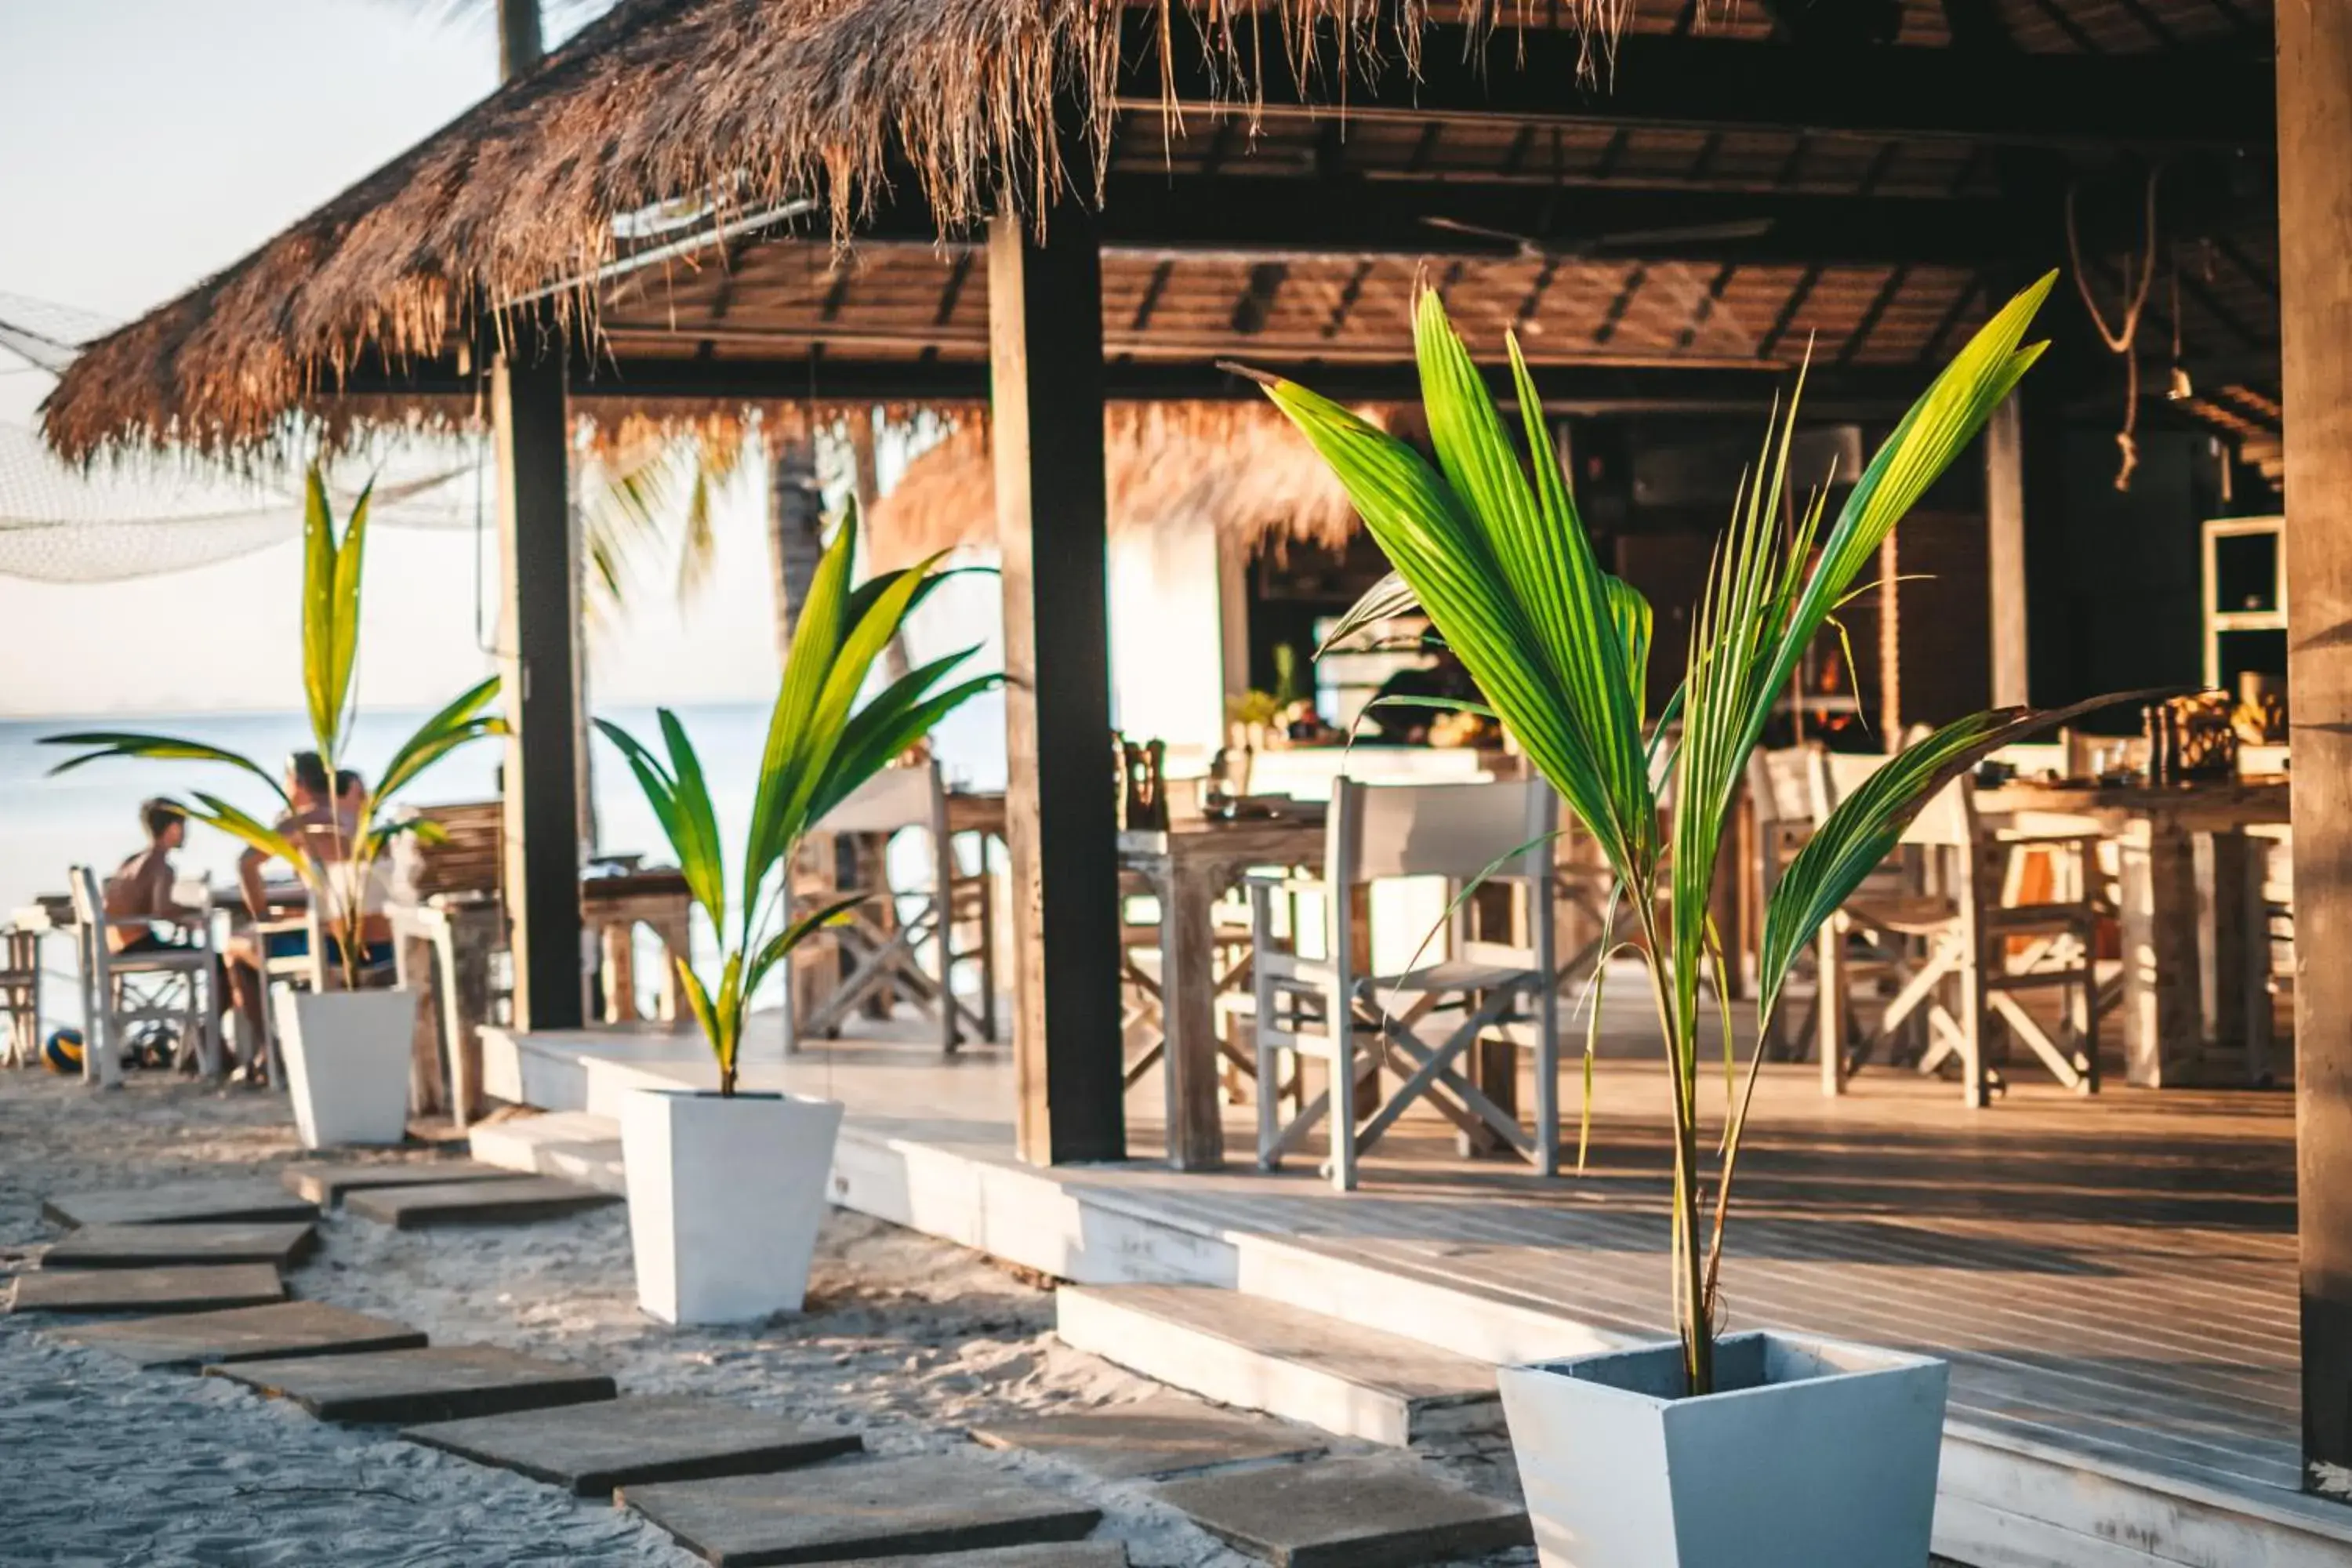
[474,1203]
[593,1448]
[919,1508]
[248,1333]
[148,1246]
[183,1203]
[146,1290]
[1349,1513]
[327,1184]
[1058,1554]
[403,1387]
[1153,1438]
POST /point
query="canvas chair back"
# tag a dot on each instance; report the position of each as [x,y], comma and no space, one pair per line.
[1454,831]
[89,901]
[890,800]
[1948,820]
[375,890]
[1786,785]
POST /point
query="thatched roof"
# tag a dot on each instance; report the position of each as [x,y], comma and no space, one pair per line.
[722,148]
[1237,468]
[752,104]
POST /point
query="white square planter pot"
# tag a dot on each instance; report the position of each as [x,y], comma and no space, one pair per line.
[1810,1454]
[346,1056]
[725,1198]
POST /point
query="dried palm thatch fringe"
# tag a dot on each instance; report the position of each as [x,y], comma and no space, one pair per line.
[1236,468]
[732,106]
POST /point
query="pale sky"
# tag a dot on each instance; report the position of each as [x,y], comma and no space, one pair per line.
[149,142]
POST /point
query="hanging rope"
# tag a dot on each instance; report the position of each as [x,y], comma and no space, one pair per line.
[2120,339]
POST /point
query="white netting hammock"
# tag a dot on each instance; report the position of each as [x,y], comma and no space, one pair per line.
[144,517]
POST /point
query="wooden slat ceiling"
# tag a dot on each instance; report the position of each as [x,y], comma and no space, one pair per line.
[904,301]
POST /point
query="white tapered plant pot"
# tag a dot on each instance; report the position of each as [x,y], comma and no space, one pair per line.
[725,1198]
[1810,1452]
[346,1056]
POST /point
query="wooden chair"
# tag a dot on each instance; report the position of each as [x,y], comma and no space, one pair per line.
[1332,1007]
[176,985]
[20,995]
[1142,1029]
[1968,976]
[886,955]
[1788,790]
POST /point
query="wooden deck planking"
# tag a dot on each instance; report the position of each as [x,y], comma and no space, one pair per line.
[2113,1277]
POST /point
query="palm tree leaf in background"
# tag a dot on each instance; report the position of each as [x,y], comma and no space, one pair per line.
[162,748]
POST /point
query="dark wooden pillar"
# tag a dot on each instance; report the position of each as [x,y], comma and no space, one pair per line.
[2314,148]
[540,666]
[1044,317]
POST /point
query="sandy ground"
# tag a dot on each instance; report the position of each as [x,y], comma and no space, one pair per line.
[906,1338]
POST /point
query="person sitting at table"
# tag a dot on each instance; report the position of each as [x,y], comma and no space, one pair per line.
[140,888]
[321,825]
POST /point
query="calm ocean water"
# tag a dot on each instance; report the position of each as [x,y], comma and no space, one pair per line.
[91,814]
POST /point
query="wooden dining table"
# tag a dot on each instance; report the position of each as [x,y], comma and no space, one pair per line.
[2195,996]
[1189,866]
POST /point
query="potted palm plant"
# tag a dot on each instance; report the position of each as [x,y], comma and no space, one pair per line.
[345,1049]
[1757,1449]
[727,1188]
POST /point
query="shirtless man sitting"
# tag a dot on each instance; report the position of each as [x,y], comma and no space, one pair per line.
[140,888]
[322,824]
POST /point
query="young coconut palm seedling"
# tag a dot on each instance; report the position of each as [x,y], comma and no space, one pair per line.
[725,1191]
[344,1052]
[1493,551]
[822,744]
[336,850]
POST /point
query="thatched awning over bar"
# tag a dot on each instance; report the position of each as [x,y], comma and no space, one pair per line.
[672,142]
[1235,469]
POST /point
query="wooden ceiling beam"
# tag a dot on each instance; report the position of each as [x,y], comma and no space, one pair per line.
[1264,218]
[2216,97]
[1596,387]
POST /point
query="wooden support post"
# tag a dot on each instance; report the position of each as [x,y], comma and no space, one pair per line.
[2005,551]
[2314,147]
[1044,318]
[539,664]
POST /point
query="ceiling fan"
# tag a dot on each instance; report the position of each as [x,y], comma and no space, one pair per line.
[1571,249]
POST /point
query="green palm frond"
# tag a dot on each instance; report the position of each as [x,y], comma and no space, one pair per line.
[1389,599]
[1487,542]
[333,571]
[107,744]
[823,743]
[460,723]
[1865,828]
